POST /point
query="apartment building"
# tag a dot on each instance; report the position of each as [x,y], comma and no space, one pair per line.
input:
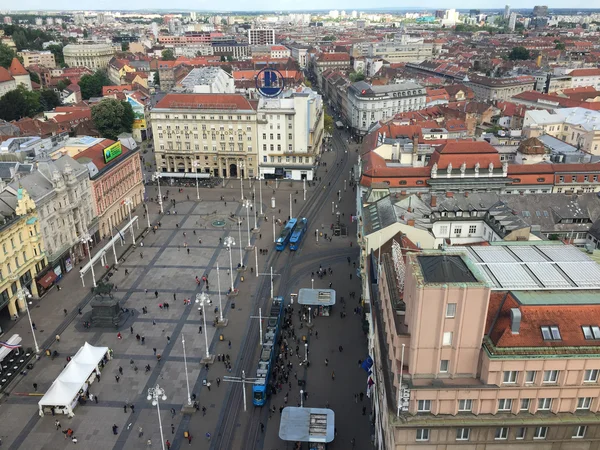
[261,36]
[404,49]
[32,58]
[300,53]
[92,56]
[290,134]
[369,104]
[579,127]
[488,88]
[485,346]
[205,133]
[585,77]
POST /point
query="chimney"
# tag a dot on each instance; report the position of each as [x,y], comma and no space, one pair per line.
[466,193]
[411,222]
[402,192]
[449,194]
[433,201]
[515,320]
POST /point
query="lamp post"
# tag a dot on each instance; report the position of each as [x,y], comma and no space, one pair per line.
[127,202]
[241,181]
[202,300]
[304,187]
[229,243]
[24,295]
[156,394]
[147,214]
[260,196]
[317,235]
[187,380]
[305,351]
[309,315]
[156,177]
[86,239]
[195,165]
[344,185]
[221,321]
[332,209]
[312,283]
[273,228]
[240,241]
[248,205]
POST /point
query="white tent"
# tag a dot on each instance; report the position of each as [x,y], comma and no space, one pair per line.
[65,390]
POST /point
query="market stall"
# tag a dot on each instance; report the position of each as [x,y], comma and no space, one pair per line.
[73,382]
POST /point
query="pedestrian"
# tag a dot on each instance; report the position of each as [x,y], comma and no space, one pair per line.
[115,429]
[140,432]
[218,381]
[341,349]
[131,329]
[364,411]
[168,444]
[326,362]
[229,344]
[91,396]
[173,412]
[333,375]
[200,329]
[204,410]
[96,398]
[353,442]
[35,386]
[74,440]
[57,425]
[169,340]
[154,350]
[64,310]
[149,443]
[132,406]
[120,370]
[189,438]
[361,395]
[316,334]
[117,377]
[156,294]
[57,337]
[124,408]
[262,427]
[174,297]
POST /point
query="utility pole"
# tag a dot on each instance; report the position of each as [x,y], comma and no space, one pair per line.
[242,380]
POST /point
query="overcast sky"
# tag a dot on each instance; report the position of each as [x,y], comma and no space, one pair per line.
[261,5]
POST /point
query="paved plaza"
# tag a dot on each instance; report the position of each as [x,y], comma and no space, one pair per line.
[164,265]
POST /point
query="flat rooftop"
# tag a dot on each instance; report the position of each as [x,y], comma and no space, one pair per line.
[445,269]
[319,297]
[307,424]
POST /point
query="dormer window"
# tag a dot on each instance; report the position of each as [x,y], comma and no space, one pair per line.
[591,332]
[551,333]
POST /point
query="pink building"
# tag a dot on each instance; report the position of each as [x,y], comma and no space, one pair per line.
[499,346]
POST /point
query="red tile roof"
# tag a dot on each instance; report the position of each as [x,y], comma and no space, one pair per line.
[329,57]
[585,73]
[204,101]
[16,68]
[5,75]
[95,154]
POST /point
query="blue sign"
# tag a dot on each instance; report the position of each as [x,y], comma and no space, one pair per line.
[270,82]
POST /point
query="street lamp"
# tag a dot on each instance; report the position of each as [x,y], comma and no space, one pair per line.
[147,214]
[312,283]
[155,394]
[332,209]
[305,351]
[195,165]
[248,205]
[187,380]
[229,243]
[219,291]
[317,235]
[260,195]
[24,295]
[156,177]
[127,202]
[86,239]
[241,181]
[241,267]
[203,299]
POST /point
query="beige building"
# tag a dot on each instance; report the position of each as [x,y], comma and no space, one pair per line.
[92,56]
[213,134]
[31,58]
[488,88]
[486,346]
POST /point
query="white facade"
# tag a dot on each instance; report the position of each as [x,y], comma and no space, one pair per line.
[7,86]
[261,36]
[193,50]
[402,49]
[280,52]
[92,56]
[583,78]
[370,104]
[300,54]
[290,134]
[207,80]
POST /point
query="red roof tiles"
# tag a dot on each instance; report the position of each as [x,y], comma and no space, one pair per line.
[204,101]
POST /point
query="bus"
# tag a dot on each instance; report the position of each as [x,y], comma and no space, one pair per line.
[298,234]
[286,233]
[268,353]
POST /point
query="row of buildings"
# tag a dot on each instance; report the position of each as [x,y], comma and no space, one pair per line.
[55,193]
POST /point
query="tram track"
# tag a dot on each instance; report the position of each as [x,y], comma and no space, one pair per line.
[225,436]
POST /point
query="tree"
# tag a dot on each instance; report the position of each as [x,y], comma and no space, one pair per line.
[519,53]
[49,99]
[328,124]
[85,33]
[6,56]
[19,103]
[91,85]
[559,46]
[307,83]
[57,51]
[62,84]
[34,77]
[167,55]
[112,117]
[156,78]
[125,46]
[357,76]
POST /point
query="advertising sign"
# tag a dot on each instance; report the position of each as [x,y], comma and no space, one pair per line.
[139,120]
[112,151]
[270,82]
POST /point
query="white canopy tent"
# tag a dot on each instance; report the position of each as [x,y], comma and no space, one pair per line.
[74,380]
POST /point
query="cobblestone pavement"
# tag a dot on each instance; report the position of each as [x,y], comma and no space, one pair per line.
[167,267]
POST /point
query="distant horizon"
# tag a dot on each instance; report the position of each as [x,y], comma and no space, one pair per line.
[35,7]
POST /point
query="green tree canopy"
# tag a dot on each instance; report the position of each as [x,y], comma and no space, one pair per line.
[57,51]
[34,77]
[19,103]
[91,85]
[328,123]
[519,53]
[168,55]
[559,46]
[357,76]
[49,99]
[112,117]
[125,46]
[6,56]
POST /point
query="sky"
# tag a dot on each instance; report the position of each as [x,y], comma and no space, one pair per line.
[261,5]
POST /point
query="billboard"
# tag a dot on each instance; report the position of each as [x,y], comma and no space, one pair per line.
[112,151]
[139,120]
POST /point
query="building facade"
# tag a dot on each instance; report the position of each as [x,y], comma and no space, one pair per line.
[290,135]
[31,58]
[261,36]
[405,49]
[23,254]
[92,56]
[205,133]
[113,182]
[62,195]
[488,88]
[369,104]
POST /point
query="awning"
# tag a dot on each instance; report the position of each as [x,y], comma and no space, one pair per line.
[47,280]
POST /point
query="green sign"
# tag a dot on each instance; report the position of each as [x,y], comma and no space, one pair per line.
[112,151]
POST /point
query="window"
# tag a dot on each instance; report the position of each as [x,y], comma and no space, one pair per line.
[465,405]
[424,405]
[544,404]
[447,339]
[444,365]
[457,230]
[540,432]
[510,376]
[525,404]
[530,376]
[451,310]
[579,432]
[472,229]
[520,434]
[584,402]
[550,376]
[590,376]
[462,434]
[504,404]
[591,332]
[501,433]
[422,434]
[551,333]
